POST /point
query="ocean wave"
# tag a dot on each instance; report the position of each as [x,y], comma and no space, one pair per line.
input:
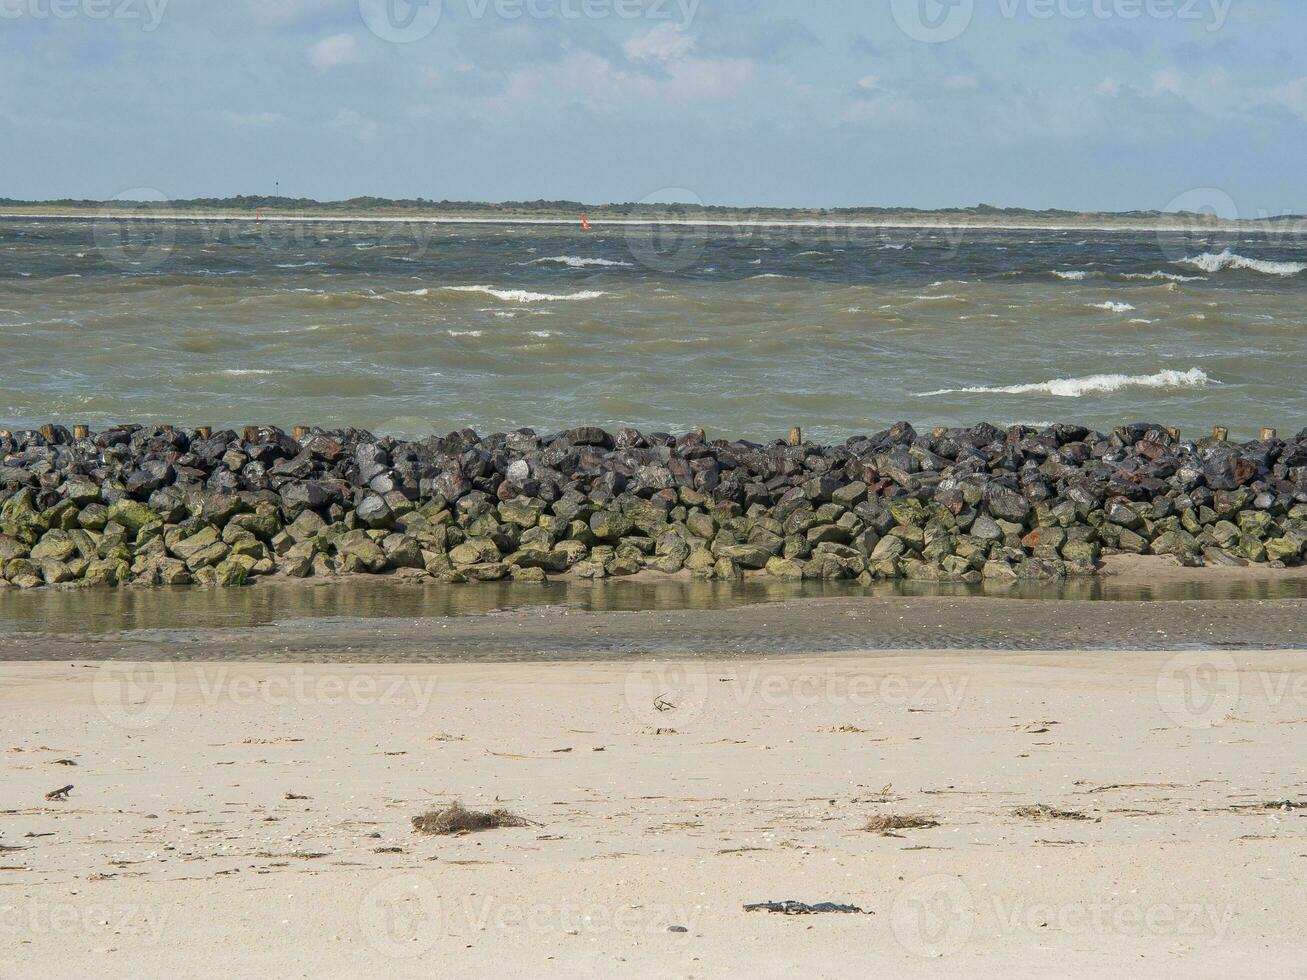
[1112,306]
[1165,276]
[243,372]
[464,333]
[578,262]
[1094,384]
[1076,275]
[1216,262]
[526,296]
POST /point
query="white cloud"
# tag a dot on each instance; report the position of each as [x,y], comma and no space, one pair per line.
[1168,81]
[1292,95]
[590,81]
[961,83]
[356,124]
[334,51]
[869,83]
[665,42]
[1109,87]
[254,120]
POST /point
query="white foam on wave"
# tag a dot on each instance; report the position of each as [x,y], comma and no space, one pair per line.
[1216,262]
[1075,275]
[243,372]
[946,296]
[526,296]
[579,262]
[1113,306]
[542,334]
[1165,276]
[1094,384]
[464,333]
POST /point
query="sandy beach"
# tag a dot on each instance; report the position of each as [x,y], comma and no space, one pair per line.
[243,819]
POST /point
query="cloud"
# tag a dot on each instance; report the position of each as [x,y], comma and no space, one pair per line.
[594,83]
[334,51]
[254,120]
[1292,95]
[356,124]
[1108,87]
[869,83]
[666,42]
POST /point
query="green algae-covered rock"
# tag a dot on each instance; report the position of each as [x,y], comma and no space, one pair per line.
[131,514]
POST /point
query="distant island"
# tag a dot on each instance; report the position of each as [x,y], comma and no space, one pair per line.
[380,208]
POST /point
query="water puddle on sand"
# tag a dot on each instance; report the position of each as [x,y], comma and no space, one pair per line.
[109,611]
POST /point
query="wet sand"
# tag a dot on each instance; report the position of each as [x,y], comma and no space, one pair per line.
[253,820]
[803,626]
[366,620]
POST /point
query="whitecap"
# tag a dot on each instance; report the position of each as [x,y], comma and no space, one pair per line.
[525,296]
[464,333]
[1075,275]
[1094,384]
[1112,306]
[542,334]
[1166,276]
[242,372]
[1216,262]
[579,262]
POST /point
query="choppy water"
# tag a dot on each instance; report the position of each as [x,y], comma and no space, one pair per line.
[415,328]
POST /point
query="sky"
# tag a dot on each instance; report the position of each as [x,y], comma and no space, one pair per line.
[1080,104]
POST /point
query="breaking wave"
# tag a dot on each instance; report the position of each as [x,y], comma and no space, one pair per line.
[525,296]
[1216,262]
[1095,384]
[578,262]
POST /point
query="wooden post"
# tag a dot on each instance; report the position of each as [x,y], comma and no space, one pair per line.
[301,433]
[796,436]
[203,431]
[1269,434]
[1173,432]
[47,432]
[1220,433]
[250,433]
[81,432]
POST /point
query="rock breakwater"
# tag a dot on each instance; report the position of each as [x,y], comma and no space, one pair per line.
[163,505]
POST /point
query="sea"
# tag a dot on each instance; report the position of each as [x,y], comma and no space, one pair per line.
[415,328]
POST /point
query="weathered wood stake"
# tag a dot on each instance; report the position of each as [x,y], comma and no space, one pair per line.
[1269,434]
[301,433]
[796,436]
[81,432]
[1173,432]
[250,433]
[1220,433]
[203,431]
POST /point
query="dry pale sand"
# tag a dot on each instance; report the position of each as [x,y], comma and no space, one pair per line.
[253,820]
